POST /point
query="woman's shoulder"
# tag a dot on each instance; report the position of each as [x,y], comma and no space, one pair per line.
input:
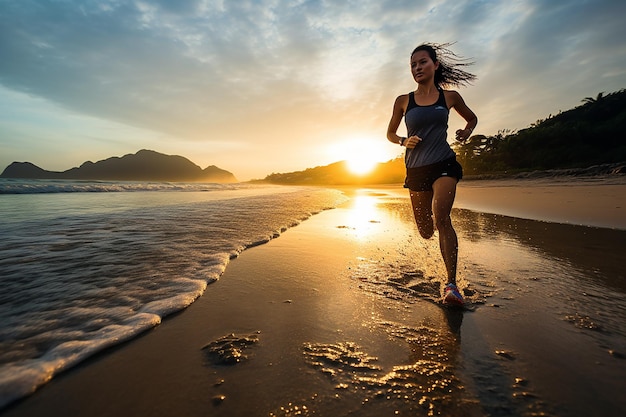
[451,93]
[403,97]
[452,97]
[402,101]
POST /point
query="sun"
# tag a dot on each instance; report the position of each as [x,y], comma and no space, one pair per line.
[362,155]
[361,164]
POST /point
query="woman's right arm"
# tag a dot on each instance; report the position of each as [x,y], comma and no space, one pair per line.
[399,108]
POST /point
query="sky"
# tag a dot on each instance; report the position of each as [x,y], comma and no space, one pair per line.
[268,86]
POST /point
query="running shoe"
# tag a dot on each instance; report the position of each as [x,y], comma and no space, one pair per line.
[452,296]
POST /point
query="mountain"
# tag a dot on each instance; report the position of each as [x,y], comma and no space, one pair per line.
[145,165]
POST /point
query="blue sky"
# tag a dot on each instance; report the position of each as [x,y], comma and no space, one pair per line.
[266,86]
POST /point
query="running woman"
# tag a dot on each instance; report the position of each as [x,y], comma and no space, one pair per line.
[432,171]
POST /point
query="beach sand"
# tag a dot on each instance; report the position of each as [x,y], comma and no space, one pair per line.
[599,202]
[339,317]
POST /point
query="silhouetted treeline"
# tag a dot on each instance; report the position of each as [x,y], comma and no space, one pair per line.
[592,133]
[339,174]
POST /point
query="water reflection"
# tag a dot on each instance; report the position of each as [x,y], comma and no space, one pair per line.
[454,320]
[364,215]
[558,274]
[598,252]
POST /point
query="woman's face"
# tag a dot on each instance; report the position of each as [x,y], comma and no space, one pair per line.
[422,67]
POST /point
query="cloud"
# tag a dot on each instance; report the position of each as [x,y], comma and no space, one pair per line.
[549,56]
[159,67]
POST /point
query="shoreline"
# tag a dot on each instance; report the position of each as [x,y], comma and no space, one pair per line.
[322,291]
[591,171]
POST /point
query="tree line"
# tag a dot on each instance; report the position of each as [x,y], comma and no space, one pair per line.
[589,134]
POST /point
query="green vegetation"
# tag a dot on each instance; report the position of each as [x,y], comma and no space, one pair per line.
[591,134]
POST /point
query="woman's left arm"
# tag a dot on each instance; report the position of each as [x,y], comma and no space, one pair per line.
[455,101]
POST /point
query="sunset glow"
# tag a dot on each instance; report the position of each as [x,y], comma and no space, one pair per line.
[363,154]
[361,165]
[364,218]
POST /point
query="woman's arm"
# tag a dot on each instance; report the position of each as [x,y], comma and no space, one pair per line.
[455,101]
[399,107]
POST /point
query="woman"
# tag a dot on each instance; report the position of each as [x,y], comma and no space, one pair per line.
[431,166]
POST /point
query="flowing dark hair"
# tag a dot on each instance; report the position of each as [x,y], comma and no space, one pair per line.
[450,72]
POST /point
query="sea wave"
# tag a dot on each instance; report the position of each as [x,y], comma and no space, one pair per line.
[27,186]
[74,282]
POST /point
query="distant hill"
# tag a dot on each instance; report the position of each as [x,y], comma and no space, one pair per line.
[338,174]
[145,165]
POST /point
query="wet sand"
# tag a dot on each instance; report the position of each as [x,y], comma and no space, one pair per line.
[599,202]
[339,316]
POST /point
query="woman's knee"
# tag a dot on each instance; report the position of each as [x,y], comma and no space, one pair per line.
[426,231]
[425,226]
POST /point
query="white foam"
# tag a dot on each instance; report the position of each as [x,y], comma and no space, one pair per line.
[22,186]
[23,378]
[20,379]
[171,305]
[83,272]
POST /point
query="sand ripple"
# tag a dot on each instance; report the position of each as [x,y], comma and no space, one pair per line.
[427,385]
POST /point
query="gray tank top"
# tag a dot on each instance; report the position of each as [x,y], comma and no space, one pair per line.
[431,124]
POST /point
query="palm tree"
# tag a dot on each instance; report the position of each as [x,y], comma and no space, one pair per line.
[591,100]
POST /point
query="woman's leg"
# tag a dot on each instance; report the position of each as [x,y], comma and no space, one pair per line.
[444,191]
[422,202]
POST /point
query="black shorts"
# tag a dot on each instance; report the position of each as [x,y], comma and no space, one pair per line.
[423,178]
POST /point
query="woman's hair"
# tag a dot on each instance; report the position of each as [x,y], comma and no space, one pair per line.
[450,72]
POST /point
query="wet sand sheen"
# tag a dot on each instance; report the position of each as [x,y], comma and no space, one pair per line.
[590,202]
[337,317]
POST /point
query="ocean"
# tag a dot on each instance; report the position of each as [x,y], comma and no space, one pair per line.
[87,265]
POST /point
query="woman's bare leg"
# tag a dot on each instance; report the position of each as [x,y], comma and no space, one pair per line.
[444,191]
[432,209]
[422,202]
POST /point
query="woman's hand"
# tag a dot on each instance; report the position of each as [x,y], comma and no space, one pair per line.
[463,134]
[412,141]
